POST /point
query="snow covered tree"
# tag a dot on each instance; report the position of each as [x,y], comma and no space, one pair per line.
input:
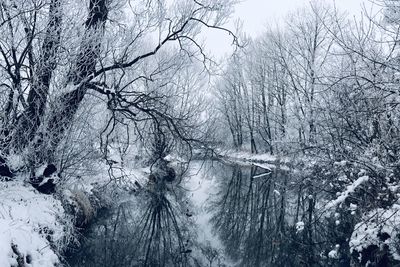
[55,54]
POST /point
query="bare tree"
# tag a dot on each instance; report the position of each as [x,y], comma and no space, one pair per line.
[47,81]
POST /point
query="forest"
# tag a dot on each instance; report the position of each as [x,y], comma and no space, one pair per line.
[125,142]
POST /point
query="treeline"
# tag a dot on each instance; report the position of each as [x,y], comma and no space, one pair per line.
[321,81]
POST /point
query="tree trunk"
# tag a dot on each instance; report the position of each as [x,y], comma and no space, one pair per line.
[67,104]
[30,120]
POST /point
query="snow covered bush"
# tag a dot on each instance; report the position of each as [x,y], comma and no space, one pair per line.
[377,236]
[81,206]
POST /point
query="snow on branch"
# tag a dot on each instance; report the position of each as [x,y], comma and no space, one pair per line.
[349,189]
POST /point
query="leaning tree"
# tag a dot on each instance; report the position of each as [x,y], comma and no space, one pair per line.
[55,54]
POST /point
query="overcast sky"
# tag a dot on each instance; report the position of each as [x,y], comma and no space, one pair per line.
[256,14]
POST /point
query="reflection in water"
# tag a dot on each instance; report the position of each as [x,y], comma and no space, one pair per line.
[151,231]
[249,215]
[159,234]
[254,217]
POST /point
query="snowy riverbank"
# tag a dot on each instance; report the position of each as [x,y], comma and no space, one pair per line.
[265,160]
[36,228]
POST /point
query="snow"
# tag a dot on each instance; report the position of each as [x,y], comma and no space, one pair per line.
[15,161]
[352,207]
[299,227]
[54,176]
[39,171]
[250,157]
[334,253]
[343,195]
[123,174]
[264,166]
[265,161]
[261,175]
[374,223]
[174,158]
[362,172]
[276,192]
[27,219]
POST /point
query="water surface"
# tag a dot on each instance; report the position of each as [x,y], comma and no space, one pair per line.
[219,215]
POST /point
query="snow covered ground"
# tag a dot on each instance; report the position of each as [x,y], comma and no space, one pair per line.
[247,156]
[35,228]
[265,161]
[32,225]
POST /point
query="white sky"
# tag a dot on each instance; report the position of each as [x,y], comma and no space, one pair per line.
[256,14]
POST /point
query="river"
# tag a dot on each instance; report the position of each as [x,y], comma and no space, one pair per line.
[220,214]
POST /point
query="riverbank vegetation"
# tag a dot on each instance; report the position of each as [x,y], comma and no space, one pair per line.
[325,86]
[106,100]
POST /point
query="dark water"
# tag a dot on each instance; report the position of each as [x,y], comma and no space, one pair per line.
[219,215]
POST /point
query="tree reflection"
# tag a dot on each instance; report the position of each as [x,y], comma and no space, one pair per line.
[160,234]
[151,231]
[255,216]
